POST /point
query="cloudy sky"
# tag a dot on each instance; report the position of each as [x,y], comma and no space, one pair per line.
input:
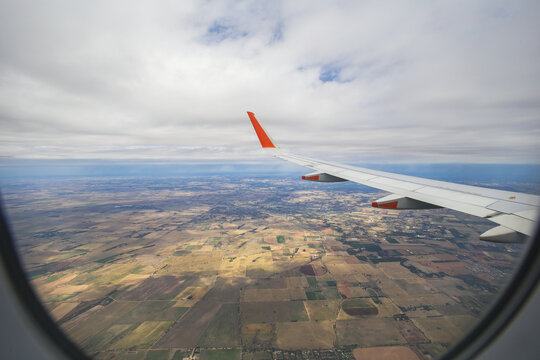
[354,81]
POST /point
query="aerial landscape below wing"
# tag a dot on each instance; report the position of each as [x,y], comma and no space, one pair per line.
[515,213]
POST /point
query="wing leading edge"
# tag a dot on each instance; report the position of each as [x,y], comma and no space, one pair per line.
[515,213]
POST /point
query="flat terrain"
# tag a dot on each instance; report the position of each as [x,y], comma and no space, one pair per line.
[243,268]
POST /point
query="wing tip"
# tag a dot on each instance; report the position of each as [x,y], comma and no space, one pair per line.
[264,139]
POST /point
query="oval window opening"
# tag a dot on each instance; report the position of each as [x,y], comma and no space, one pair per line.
[150,225]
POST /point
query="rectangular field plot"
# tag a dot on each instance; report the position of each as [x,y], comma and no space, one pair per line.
[414,300]
[274,294]
[271,283]
[224,330]
[207,262]
[220,354]
[269,312]
[155,288]
[411,333]
[104,339]
[187,331]
[417,287]
[322,309]
[386,307]
[439,329]
[191,295]
[142,336]
[390,352]
[368,332]
[226,290]
[305,335]
[96,319]
[154,311]
[258,335]
[394,270]
[325,293]
[344,271]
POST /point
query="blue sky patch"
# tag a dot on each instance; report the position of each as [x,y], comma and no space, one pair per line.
[220,31]
[329,73]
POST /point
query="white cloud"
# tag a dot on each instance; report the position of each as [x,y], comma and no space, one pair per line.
[350,80]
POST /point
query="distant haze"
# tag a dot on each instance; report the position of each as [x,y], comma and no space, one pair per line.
[352,81]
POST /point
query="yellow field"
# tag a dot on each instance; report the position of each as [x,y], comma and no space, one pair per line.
[395,271]
[305,335]
[387,308]
[144,335]
[62,309]
[387,353]
[297,282]
[322,309]
[438,329]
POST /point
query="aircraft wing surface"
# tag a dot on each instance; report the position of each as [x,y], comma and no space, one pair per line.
[515,213]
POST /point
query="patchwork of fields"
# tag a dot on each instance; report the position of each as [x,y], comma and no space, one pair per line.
[251,269]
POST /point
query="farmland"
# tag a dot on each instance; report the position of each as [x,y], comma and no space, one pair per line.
[244,269]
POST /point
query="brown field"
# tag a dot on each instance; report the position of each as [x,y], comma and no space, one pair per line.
[368,332]
[153,311]
[274,294]
[387,353]
[305,335]
[411,333]
[313,270]
[226,289]
[345,291]
[97,319]
[197,263]
[452,268]
[269,312]
[155,288]
[187,331]
[224,330]
[258,335]
[271,283]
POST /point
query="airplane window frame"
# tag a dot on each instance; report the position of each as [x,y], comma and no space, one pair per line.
[493,322]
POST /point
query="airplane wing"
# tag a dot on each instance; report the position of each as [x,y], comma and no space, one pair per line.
[515,213]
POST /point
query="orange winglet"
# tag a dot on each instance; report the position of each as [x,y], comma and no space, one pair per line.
[261,134]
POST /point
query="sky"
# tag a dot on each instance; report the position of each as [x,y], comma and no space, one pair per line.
[349,81]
